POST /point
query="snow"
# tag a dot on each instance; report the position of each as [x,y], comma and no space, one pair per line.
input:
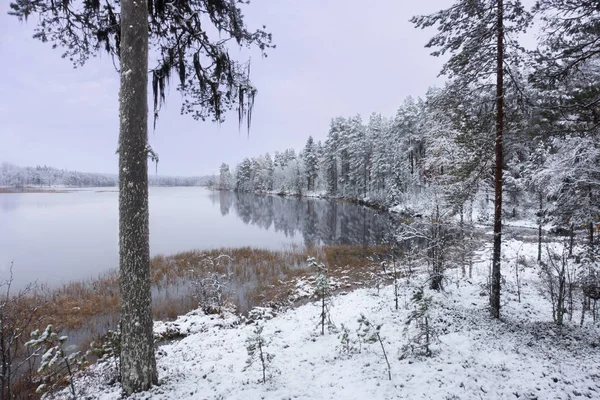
[522,356]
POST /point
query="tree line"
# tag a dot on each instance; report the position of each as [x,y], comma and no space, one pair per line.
[444,143]
[44,176]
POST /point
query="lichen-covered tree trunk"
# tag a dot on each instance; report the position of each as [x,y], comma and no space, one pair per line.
[137,349]
[496,276]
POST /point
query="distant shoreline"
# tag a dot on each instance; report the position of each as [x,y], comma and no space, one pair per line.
[15,190]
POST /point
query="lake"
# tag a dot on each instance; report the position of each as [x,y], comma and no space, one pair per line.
[53,238]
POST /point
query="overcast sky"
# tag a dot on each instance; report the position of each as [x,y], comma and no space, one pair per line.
[333,58]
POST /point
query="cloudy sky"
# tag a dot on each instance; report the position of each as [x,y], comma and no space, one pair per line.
[333,58]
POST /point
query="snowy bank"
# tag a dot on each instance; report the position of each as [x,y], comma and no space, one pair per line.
[522,356]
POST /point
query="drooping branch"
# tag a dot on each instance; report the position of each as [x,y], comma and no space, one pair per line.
[181,42]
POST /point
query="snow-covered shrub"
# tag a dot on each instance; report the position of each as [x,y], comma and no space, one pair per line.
[56,367]
[348,346]
[257,354]
[370,333]
[108,350]
[261,313]
[555,271]
[18,312]
[588,277]
[210,293]
[419,329]
[322,291]
[210,286]
[437,243]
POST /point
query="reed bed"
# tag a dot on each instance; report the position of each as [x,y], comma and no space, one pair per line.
[91,307]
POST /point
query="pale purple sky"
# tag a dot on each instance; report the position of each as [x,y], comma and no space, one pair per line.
[333,58]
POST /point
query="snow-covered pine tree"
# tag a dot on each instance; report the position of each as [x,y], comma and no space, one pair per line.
[322,291]
[257,352]
[566,62]
[243,176]
[311,163]
[210,81]
[380,163]
[331,156]
[224,177]
[476,33]
[359,154]
[371,333]
[419,329]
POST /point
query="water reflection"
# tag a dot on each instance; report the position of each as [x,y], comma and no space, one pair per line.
[57,237]
[318,221]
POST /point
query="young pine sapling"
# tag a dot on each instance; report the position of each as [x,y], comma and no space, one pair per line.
[257,354]
[370,333]
[348,345]
[108,350]
[518,262]
[322,291]
[389,266]
[424,333]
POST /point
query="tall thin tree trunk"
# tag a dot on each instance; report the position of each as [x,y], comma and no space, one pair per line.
[137,349]
[496,276]
[591,235]
[571,239]
[540,222]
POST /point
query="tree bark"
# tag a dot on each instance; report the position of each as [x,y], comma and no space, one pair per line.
[496,276]
[137,349]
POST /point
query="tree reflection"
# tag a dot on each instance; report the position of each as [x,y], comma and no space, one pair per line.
[319,221]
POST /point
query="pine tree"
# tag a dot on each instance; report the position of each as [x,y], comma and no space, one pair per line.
[311,163]
[476,33]
[570,40]
[243,176]
[331,156]
[210,81]
[380,164]
[322,292]
[257,354]
[358,158]
[224,177]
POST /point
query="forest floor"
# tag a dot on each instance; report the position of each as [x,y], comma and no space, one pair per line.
[524,355]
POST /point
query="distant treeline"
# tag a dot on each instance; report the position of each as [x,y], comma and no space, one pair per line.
[44,176]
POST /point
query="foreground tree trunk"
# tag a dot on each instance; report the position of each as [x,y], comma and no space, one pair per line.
[137,349]
[496,276]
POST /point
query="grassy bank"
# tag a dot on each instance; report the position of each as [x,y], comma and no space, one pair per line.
[254,276]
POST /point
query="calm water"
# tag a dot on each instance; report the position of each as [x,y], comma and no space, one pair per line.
[57,237]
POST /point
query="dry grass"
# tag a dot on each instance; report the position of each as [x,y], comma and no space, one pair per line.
[74,305]
[353,264]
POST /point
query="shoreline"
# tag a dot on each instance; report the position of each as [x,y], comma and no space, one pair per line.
[15,190]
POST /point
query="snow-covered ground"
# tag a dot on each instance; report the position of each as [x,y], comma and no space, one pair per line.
[522,356]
